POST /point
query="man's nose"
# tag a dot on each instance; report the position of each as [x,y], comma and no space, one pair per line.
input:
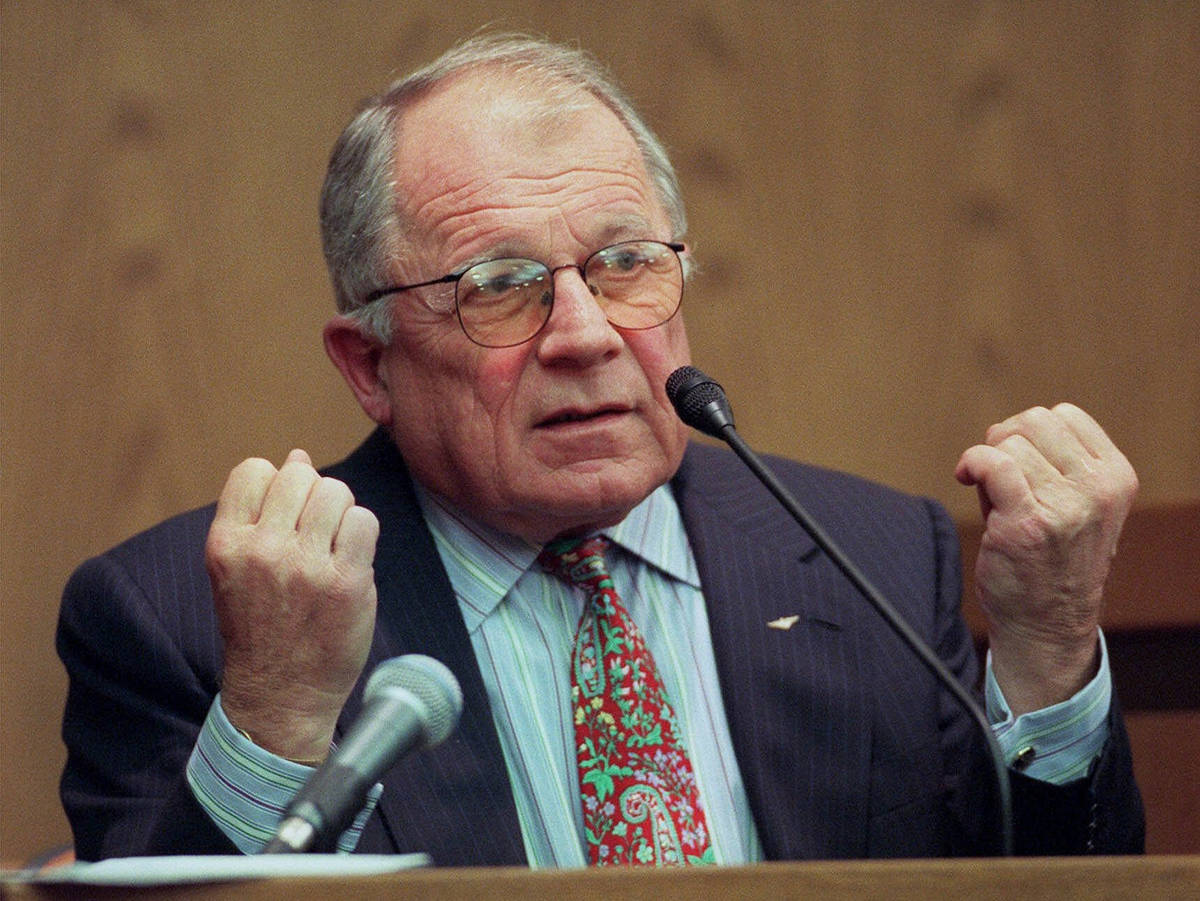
[578,326]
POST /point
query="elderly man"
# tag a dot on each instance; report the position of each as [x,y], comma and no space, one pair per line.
[505,240]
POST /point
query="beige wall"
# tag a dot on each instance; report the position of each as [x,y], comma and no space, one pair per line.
[913,217]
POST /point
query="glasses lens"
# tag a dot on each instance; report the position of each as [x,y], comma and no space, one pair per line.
[639,284]
[504,302]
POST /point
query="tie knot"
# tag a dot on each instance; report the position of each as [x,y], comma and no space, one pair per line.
[579,561]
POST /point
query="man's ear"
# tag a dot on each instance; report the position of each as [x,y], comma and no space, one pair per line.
[357,357]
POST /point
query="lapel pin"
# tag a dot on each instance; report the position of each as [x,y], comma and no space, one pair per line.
[783,623]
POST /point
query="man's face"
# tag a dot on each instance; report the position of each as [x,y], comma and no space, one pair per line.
[572,429]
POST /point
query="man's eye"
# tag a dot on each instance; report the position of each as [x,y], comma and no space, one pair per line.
[503,277]
[500,284]
[627,258]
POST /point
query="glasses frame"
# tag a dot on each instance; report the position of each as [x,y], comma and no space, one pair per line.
[454,278]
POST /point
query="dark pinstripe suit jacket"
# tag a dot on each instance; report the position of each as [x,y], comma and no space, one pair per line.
[846,745]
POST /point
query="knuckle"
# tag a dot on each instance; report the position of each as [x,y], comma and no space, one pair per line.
[218,567]
[222,549]
[993,433]
[1132,482]
[335,490]
[366,520]
[1036,418]
[1012,445]
[217,542]
[255,467]
[299,466]
[1112,497]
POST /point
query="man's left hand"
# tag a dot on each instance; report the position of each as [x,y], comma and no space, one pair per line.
[1054,492]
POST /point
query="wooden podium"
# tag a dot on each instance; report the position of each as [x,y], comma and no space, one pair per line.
[1028,879]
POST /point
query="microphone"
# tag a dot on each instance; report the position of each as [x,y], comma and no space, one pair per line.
[409,702]
[701,404]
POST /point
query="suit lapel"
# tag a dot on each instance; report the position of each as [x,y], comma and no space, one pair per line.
[449,800]
[793,697]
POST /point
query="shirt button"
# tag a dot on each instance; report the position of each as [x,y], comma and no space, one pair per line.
[1024,757]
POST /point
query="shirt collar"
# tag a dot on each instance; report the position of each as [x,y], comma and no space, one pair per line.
[484,564]
[653,531]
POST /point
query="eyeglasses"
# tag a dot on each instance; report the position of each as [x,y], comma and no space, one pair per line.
[506,302]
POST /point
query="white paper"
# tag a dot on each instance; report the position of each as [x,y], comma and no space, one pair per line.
[140,871]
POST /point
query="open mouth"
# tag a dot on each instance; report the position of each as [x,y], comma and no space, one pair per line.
[569,417]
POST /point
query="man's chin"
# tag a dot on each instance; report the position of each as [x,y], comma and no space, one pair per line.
[637,455]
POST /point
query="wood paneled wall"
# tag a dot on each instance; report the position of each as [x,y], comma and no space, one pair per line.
[913,218]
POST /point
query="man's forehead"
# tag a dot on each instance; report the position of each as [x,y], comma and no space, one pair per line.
[491,115]
[480,147]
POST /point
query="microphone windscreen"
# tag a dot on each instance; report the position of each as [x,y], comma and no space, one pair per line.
[699,401]
[430,681]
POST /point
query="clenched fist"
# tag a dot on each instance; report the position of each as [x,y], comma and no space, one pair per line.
[290,558]
[1054,492]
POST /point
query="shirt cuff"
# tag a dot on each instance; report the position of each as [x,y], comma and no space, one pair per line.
[245,789]
[1056,744]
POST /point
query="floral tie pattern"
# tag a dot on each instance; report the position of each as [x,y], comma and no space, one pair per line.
[640,801]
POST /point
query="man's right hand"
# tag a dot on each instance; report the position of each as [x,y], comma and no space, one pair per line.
[290,558]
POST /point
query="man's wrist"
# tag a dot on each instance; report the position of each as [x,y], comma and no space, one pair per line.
[1036,672]
[295,736]
[309,763]
[244,788]
[1057,743]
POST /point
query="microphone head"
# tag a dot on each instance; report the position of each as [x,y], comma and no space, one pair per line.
[699,401]
[428,681]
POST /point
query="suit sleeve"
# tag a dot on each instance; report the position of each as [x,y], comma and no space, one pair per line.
[1099,814]
[142,667]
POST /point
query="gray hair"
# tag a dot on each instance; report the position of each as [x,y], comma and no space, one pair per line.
[361,227]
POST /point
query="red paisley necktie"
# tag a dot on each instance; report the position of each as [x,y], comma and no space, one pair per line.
[640,801]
